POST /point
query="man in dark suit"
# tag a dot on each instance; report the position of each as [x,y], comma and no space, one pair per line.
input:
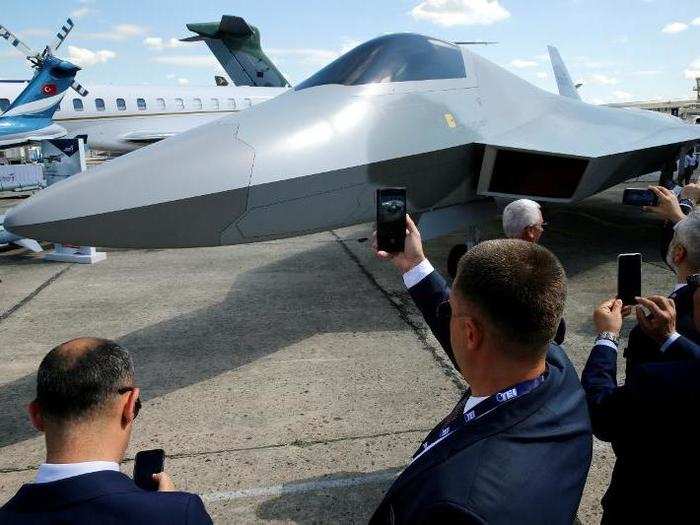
[682,252]
[650,420]
[517,446]
[86,405]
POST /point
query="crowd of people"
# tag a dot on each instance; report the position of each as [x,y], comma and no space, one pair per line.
[517,446]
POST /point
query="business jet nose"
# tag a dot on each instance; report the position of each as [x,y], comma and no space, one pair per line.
[154,197]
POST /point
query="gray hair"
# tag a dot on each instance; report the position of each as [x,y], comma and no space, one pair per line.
[518,215]
[687,234]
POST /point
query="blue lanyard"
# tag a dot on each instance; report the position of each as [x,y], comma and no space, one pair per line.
[453,422]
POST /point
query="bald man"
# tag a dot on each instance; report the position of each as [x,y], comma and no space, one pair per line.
[86,404]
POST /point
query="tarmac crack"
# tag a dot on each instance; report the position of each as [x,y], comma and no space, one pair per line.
[400,305]
[32,295]
[295,443]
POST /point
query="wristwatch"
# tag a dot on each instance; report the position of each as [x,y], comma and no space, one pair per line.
[609,336]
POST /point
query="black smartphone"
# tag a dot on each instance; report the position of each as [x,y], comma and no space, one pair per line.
[391,219]
[147,463]
[629,277]
[640,197]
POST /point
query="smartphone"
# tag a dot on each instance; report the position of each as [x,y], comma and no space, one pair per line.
[640,197]
[391,219]
[147,463]
[629,277]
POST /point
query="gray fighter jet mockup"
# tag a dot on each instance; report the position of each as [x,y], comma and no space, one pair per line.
[399,110]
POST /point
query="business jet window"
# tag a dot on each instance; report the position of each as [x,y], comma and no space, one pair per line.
[141,104]
[77,104]
[99,104]
[215,103]
[121,104]
[231,103]
[179,104]
[392,58]
[160,103]
[197,103]
[4,104]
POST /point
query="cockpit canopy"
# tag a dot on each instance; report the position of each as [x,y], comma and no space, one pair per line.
[392,58]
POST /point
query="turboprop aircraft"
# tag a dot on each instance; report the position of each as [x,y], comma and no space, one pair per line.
[399,110]
[29,117]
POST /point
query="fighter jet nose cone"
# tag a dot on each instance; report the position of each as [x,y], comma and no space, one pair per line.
[149,198]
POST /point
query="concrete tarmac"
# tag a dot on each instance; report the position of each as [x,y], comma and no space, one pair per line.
[288,381]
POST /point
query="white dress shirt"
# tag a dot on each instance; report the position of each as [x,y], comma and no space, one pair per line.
[49,472]
[416,274]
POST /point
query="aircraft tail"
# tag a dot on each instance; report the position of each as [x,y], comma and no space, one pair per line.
[41,97]
[561,73]
[236,45]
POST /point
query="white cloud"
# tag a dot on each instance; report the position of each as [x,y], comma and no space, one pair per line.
[117,33]
[85,57]
[82,12]
[313,57]
[183,81]
[34,31]
[695,22]
[674,27]
[622,95]
[604,80]
[647,72]
[522,64]
[449,13]
[157,43]
[199,61]
[542,75]
[693,70]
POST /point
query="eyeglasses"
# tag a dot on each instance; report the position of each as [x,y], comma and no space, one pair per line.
[137,405]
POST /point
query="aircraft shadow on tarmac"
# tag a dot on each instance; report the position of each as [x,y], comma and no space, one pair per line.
[289,300]
[345,503]
[267,309]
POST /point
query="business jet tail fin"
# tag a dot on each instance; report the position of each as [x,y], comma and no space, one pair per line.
[561,73]
[236,45]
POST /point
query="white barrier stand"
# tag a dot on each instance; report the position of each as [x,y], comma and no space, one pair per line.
[75,254]
[67,158]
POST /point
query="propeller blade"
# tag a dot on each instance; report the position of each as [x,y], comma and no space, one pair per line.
[16,42]
[80,89]
[63,33]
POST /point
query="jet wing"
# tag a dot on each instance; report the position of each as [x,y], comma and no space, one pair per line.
[146,137]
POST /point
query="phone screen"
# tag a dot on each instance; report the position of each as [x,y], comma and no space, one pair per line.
[639,197]
[391,219]
[629,277]
[147,463]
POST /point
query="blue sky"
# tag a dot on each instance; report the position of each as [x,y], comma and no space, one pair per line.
[621,49]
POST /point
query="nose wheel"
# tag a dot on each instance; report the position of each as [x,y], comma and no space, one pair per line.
[472,238]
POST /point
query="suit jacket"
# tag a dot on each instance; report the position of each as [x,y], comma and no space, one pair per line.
[105,498]
[525,462]
[651,423]
[642,349]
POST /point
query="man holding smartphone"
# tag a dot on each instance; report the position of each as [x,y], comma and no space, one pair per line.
[650,420]
[517,446]
[86,405]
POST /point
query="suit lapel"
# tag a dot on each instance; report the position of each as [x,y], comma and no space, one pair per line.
[496,422]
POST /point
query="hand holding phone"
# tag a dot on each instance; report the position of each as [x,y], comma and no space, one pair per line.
[147,463]
[391,219]
[629,277]
[639,197]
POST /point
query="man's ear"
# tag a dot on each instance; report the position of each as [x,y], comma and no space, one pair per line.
[35,416]
[679,254]
[528,234]
[473,333]
[129,407]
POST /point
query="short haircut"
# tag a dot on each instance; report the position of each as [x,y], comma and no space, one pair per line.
[519,286]
[687,234]
[518,215]
[72,385]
